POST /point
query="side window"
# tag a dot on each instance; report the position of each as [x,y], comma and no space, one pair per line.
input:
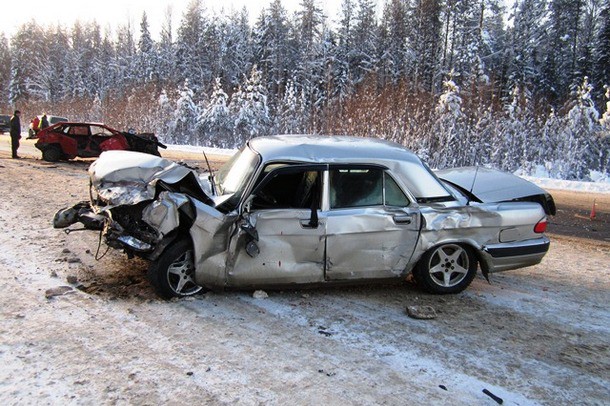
[97,130]
[290,190]
[79,130]
[356,187]
[394,196]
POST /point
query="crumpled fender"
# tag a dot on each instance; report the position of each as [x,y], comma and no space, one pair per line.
[163,214]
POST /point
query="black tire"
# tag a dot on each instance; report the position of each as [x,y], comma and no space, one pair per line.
[172,273]
[52,153]
[447,268]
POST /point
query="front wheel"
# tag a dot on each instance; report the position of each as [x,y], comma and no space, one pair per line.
[172,274]
[52,153]
[448,268]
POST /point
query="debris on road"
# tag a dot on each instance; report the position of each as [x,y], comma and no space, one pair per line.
[57,291]
[260,294]
[498,400]
[421,312]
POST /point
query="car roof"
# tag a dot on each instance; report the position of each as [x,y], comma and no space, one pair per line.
[330,148]
[82,123]
[343,149]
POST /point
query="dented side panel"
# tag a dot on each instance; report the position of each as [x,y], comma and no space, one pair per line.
[482,226]
[375,242]
[290,250]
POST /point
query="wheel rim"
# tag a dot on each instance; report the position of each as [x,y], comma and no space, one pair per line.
[180,275]
[449,265]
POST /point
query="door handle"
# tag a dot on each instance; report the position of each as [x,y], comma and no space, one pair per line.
[402,219]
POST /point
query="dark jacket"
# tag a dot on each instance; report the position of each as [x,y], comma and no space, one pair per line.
[15,126]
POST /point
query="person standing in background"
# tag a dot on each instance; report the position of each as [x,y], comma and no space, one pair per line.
[44,122]
[15,133]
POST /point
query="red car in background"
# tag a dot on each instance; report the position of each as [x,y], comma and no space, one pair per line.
[68,140]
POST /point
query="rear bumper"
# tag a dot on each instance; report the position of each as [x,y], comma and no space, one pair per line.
[506,256]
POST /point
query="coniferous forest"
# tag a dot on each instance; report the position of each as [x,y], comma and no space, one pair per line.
[460,82]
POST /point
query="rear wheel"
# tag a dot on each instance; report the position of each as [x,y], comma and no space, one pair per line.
[172,274]
[52,153]
[448,268]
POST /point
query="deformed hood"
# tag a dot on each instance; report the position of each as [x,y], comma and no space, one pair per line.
[127,177]
[491,185]
[116,166]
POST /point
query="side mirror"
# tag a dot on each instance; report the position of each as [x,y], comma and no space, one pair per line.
[252,248]
[247,206]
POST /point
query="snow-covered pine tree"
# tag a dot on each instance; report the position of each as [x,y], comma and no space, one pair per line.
[364,42]
[190,46]
[526,35]
[425,43]
[96,113]
[59,47]
[25,83]
[552,141]
[165,120]
[289,117]
[215,126]
[274,52]
[236,48]
[344,52]
[561,62]
[182,128]
[146,56]
[604,138]
[448,142]
[601,53]
[311,76]
[393,42]
[515,142]
[166,52]
[579,135]
[250,110]
[125,52]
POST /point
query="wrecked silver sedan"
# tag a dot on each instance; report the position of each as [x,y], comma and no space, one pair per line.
[294,210]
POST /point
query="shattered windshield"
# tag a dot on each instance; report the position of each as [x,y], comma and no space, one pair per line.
[233,176]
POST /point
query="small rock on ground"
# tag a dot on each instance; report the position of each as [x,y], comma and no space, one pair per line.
[422,312]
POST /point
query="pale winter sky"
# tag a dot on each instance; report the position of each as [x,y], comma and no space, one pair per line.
[111,13]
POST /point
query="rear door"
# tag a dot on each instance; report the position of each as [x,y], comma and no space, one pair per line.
[371,226]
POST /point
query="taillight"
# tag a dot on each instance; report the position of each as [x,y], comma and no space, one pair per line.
[540,227]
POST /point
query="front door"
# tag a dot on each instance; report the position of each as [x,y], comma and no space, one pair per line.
[284,212]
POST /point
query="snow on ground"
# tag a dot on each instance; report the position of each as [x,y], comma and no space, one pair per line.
[573,185]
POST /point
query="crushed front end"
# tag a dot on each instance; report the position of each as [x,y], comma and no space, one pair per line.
[138,201]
